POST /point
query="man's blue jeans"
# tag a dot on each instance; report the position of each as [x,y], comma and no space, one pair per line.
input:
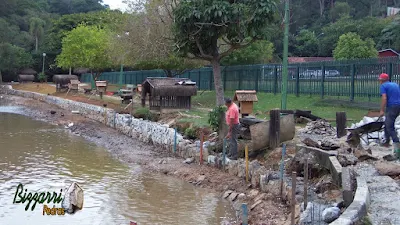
[392,112]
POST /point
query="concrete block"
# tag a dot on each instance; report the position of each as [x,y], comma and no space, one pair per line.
[336,170]
[347,186]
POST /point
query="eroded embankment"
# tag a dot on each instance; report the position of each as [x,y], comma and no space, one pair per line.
[148,144]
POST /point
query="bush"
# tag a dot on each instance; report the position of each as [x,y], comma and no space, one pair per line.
[215,116]
[191,133]
[143,113]
[42,77]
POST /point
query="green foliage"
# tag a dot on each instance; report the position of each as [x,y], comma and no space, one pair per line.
[143,113]
[351,46]
[259,52]
[340,9]
[85,47]
[42,77]
[306,44]
[391,35]
[215,116]
[200,24]
[172,65]
[191,133]
[13,58]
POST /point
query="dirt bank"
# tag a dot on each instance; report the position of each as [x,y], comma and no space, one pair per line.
[131,151]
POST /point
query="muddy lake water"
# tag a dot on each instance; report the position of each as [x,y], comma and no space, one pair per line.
[46,158]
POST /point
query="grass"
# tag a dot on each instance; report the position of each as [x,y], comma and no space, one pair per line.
[325,108]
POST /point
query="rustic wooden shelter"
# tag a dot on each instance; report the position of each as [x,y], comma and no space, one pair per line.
[168,93]
[246,100]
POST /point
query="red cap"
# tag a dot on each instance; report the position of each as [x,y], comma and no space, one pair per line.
[383,76]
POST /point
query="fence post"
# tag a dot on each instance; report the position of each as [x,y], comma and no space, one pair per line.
[353,78]
[293,200]
[210,81]
[256,81]
[297,81]
[245,214]
[199,85]
[390,71]
[322,81]
[282,166]
[240,79]
[275,79]
[341,124]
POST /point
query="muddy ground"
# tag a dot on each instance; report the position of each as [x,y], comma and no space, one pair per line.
[130,151]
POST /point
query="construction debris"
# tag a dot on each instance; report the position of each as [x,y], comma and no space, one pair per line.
[319,127]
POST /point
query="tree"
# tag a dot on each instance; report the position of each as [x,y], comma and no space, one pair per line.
[391,35]
[150,43]
[213,29]
[260,52]
[340,9]
[351,46]
[36,28]
[85,47]
[13,58]
[306,44]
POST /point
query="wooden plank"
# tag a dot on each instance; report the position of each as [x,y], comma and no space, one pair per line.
[341,124]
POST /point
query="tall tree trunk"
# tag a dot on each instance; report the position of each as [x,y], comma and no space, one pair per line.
[321,7]
[36,43]
[219,89]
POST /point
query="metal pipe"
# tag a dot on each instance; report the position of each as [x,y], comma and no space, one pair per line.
[285,56]
[245,214]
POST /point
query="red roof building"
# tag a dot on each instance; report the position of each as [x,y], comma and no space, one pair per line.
[388,53]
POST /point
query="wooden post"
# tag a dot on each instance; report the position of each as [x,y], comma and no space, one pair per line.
[274,125]
[293,197]
[201,148]
[224,153]
[305,183]
[341,124]
[247,163]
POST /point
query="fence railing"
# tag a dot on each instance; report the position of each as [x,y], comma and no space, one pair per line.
[351,78]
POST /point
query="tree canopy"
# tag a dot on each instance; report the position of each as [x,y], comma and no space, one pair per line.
[351,46]
[85,47]
[213,29]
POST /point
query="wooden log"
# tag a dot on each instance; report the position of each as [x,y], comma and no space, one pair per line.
[307,115]
[341,124]
[274,129]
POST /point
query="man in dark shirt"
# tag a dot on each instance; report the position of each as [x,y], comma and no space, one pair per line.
[391,101]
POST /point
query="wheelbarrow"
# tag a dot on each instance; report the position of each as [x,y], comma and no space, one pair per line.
[356,134]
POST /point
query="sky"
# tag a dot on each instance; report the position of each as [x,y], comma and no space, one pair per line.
[115,4]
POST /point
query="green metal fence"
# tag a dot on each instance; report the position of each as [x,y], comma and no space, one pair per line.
[351,78]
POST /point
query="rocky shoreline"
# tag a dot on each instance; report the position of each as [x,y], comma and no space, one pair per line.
[265,209]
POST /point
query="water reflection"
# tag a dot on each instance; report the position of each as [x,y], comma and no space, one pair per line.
[45,158]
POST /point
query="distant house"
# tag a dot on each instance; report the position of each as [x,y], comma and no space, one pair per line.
[308,59]
[388,53]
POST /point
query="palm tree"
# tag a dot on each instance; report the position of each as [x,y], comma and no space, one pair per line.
[36,29]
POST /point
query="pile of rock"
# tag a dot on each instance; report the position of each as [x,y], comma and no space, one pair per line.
[319,127]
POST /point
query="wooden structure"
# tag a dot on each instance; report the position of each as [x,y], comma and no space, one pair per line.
[26,78]
[168,93]
[127,94]
[62,81]
[73,86]
[101,86]
[246,100]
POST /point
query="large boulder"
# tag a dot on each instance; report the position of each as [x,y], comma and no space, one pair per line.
[73,199]
[297,163]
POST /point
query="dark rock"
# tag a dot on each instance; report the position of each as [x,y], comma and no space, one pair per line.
[311,143]
[389,157]
[297,163]
[52,112]
[347,159]
[388,168]
[363,155]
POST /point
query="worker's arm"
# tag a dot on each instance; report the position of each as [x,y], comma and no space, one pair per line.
[232,121]
[383,104]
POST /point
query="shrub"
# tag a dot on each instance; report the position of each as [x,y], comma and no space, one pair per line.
[42,77]
[191,133]
[143,113]
[215,116]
